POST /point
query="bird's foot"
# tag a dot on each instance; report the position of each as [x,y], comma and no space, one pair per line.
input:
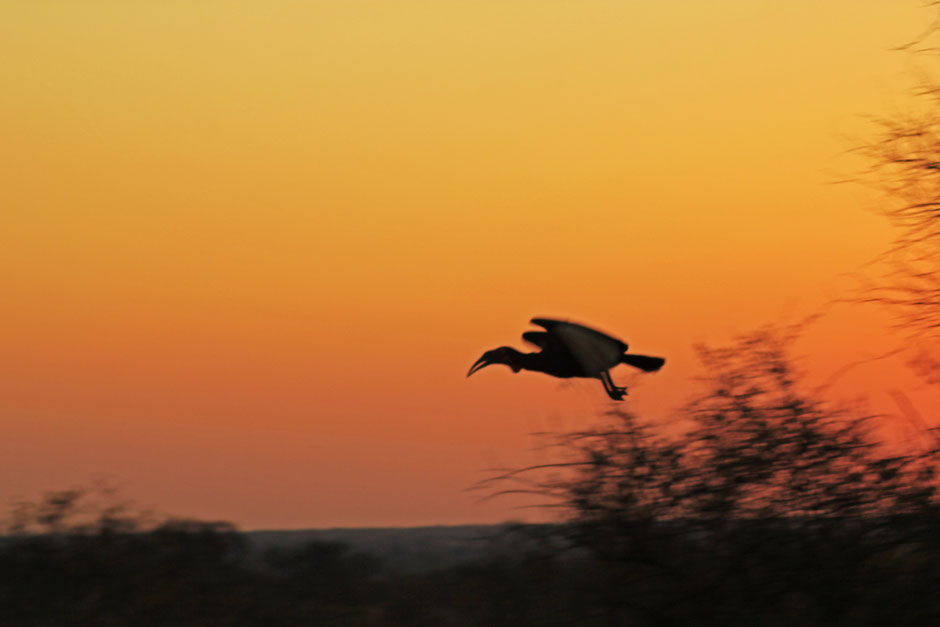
[617,393]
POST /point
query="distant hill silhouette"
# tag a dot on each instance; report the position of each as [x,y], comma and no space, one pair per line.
[402,549]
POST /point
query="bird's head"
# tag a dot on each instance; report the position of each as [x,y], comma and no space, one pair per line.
[502,355]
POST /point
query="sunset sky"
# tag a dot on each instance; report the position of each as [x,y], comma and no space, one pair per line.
[248,250]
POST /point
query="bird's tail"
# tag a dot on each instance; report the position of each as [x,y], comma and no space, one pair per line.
[643,362]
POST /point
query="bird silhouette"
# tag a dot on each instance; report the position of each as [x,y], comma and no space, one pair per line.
[570,350]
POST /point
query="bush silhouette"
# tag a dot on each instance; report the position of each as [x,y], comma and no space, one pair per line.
[772,506]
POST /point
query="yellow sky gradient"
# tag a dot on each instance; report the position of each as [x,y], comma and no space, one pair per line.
[248,250]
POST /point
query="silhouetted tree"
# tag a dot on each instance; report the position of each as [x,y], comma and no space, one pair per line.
[83,557]
[772,506]
[904,159]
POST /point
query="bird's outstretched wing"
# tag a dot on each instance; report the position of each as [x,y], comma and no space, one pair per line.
[595,351]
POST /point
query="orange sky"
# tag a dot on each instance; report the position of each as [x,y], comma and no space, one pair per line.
[248,250]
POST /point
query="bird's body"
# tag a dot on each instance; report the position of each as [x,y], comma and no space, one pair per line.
[570,350]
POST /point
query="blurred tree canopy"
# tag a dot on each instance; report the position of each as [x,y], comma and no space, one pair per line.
[773,506]
[904,163]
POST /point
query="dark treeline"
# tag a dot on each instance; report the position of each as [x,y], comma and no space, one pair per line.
[68,561]
[760,573]
[770,507]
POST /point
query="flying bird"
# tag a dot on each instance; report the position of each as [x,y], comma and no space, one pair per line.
[570,350]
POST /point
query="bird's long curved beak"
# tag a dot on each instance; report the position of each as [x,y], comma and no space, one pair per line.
[480,363]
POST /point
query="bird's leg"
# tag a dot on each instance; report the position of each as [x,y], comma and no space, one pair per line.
[614,392]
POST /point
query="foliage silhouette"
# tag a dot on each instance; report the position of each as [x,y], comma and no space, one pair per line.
[904,162]
[71,559]
[773,506]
